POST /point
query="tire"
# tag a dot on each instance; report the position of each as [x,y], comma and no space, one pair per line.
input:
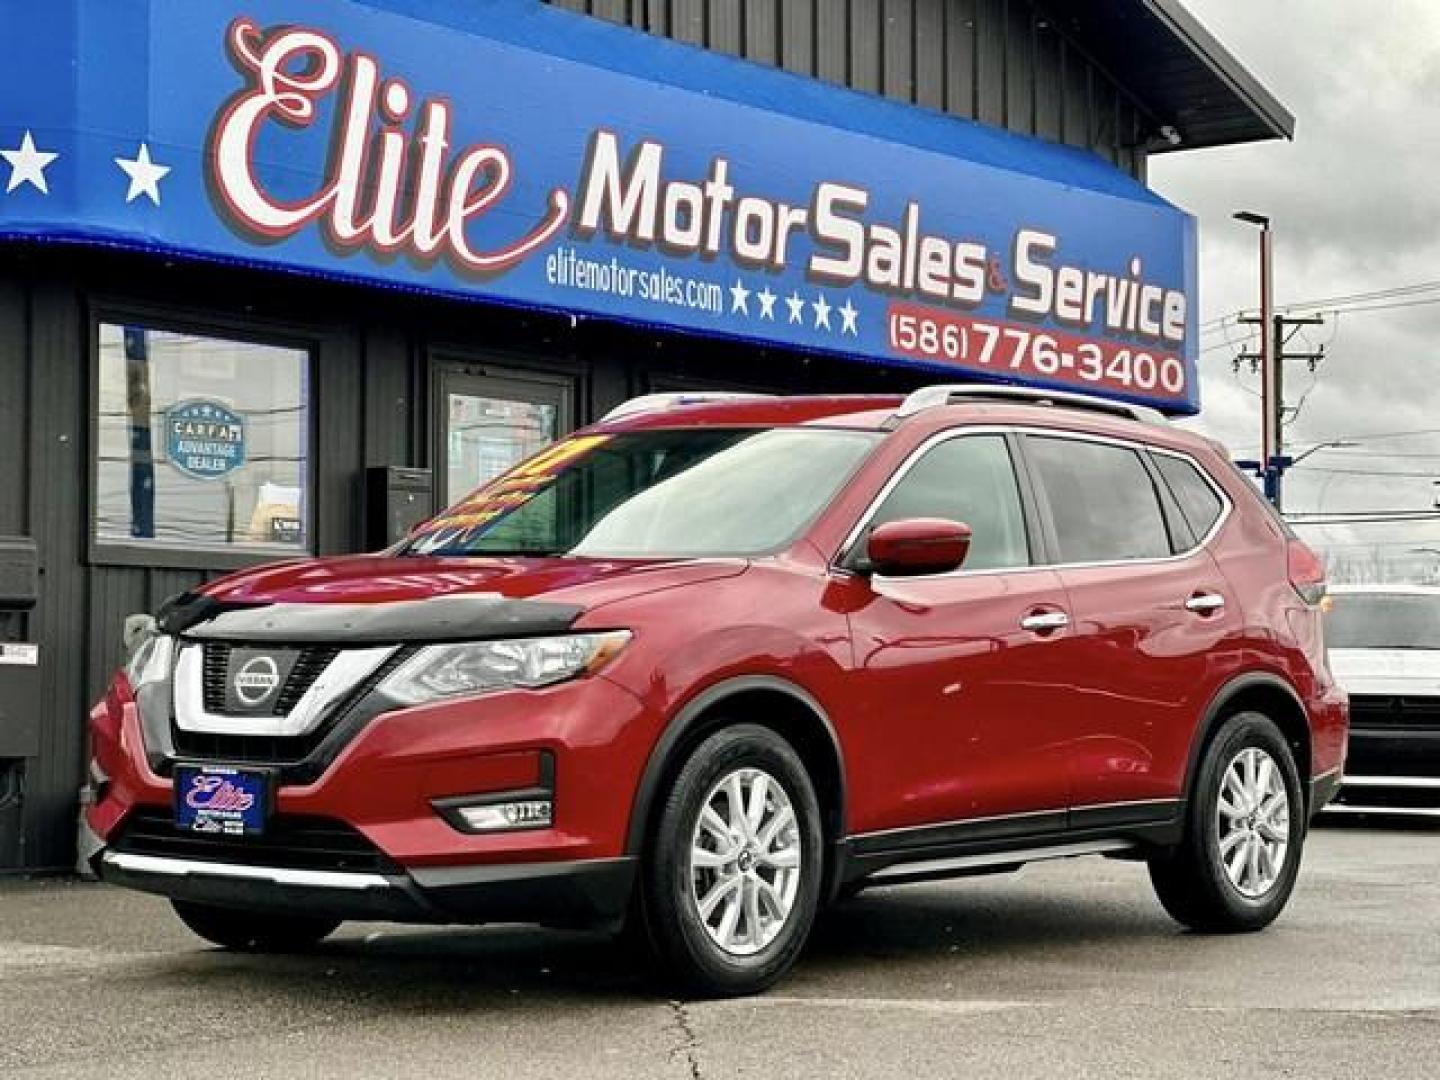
[253,931]
[1246,888]
[707,951]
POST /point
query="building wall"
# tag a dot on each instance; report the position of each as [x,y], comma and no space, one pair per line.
[374,355]
[1002,62]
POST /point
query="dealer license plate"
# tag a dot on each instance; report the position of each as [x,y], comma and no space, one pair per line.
[221,801]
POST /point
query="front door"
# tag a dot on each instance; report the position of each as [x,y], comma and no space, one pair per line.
[487,421]
[960,681]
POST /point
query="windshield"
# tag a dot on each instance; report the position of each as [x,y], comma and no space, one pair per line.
[653,494]
[1382,621]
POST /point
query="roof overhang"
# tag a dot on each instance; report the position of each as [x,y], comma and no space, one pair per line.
[1183,78]
[514,153]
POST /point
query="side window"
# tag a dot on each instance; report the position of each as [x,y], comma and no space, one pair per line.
[1102,500]
[1198,500]
[969,479]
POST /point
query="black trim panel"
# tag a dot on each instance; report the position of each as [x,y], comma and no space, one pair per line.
[675,731]
[1046,823]
[1216,711]
[1148,825]
[1123,815]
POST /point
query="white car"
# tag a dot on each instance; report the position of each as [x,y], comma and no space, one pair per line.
[1384,645]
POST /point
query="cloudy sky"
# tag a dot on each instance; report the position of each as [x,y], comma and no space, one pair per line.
[1356,209]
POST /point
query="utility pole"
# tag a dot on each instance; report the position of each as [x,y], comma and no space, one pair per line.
[1281,331]
[1269,431]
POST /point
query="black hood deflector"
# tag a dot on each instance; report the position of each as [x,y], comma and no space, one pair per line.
[435,619]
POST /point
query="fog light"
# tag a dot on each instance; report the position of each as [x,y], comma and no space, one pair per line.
[503,816]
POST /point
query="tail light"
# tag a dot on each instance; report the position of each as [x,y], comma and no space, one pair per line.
[1305,570]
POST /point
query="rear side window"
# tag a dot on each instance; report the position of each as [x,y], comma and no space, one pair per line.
[1102,501]
[1198,500]
[971,479]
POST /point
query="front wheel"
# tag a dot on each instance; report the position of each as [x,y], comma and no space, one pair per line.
[732,874]
[252,931]
[1235,868]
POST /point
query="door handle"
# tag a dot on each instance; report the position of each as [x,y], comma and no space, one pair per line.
[1205,602]
[1043,621]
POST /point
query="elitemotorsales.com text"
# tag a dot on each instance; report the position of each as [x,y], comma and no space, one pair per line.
[632,203]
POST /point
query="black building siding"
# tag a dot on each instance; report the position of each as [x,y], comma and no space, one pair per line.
[1002,62]
[374,354]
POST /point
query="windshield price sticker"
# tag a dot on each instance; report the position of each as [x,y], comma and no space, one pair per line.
[510,490]
[1006,348]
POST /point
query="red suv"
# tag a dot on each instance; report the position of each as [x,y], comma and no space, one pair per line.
[710,664]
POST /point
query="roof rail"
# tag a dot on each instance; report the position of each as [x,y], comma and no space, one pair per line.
[929,397]
[656,402]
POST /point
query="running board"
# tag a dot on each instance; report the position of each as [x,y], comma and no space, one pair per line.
[962,864]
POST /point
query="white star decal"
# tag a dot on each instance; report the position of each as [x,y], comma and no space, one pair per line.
[847,318]
[767,302]
[796,304]
[27,165]
[739,298]
[144,174]
[822,312]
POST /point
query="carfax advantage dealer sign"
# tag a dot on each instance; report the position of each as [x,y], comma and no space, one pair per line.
[364,141]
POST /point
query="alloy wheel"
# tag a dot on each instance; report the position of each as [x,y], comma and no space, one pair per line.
[745,861]
[1252,820]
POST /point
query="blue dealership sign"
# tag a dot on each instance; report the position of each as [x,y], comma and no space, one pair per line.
[204,439]
[517,153]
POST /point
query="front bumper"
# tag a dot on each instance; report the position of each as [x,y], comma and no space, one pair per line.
[585,893]
[1394,796]
[1392,770]
[586,741]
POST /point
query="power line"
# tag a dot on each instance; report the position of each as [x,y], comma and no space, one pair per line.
[1377,435]
[1433,475]
[1360,297]
[1382,307]
[1332,301]
[1382,453]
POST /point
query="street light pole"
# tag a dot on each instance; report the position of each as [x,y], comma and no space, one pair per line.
[1272,400]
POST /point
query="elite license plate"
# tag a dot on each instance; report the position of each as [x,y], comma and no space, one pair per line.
[221,801]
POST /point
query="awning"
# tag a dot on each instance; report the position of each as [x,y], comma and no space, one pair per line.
[514,153]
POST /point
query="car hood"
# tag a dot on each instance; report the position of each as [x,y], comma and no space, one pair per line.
[376,598]
[1387,671]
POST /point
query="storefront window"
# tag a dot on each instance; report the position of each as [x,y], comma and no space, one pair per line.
[202,443]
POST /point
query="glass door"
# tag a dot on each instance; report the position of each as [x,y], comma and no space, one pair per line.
[487,422]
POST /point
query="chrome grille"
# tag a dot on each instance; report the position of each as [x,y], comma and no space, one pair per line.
[217,668]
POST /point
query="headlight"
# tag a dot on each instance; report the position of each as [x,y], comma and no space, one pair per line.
[151,662]
[439,671]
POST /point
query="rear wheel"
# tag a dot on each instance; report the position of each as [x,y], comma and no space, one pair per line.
[1236,866]
[732,874]
[253,931]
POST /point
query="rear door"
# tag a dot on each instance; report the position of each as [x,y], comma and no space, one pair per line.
[1149,610]
[957,697]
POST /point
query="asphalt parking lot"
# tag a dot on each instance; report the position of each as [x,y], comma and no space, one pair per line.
[1066,969]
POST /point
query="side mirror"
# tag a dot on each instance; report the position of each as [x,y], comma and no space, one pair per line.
[918,546]
[137,628]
